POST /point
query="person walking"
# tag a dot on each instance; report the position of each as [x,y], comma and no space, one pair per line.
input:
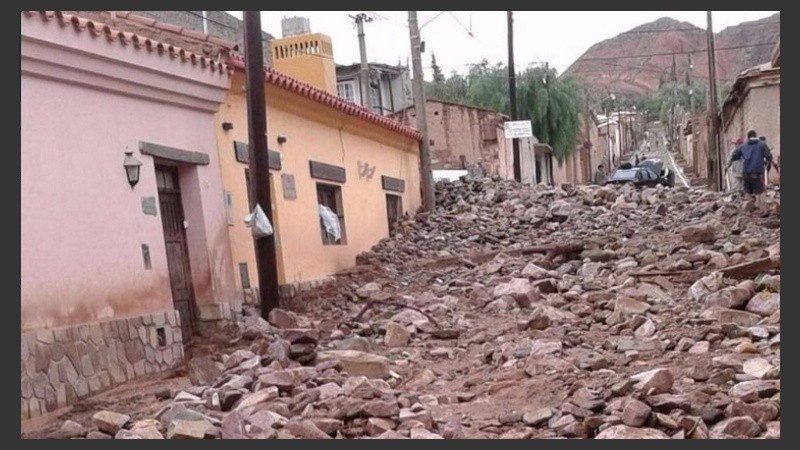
[636,160]
[754,155]
[735,175]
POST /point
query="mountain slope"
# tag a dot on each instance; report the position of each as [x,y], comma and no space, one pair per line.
[606,66]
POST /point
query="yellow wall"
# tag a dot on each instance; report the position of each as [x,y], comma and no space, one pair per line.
[319,133]
[306,57]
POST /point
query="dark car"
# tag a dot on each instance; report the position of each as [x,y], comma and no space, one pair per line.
[639,176]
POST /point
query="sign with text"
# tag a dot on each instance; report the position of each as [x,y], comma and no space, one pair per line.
[518,129]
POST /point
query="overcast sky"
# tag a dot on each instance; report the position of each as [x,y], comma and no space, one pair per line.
[556,37]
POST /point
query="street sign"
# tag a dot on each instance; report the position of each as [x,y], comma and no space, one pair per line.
[518,129]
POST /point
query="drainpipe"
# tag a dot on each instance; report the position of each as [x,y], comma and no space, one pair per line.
[205,22]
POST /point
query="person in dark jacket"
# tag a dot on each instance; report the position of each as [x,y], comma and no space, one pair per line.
[754,154]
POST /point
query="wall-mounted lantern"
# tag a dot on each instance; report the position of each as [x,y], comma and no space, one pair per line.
[227,126]
[132,168]
[281,139]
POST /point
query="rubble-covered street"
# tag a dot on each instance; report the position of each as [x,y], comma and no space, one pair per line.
[511,312]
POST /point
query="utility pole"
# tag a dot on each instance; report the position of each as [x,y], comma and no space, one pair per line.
[512,94]
[417,87]
[259,159]
[689,83]
[364,73]
[713,140]
[205,22]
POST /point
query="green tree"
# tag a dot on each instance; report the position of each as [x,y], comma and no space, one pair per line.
[438,76]
[550,102]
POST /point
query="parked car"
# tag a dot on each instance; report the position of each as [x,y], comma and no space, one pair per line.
[639,176]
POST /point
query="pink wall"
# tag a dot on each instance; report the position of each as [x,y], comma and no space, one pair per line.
[82,224]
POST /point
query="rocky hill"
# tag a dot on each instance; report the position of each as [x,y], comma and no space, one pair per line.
[606,67]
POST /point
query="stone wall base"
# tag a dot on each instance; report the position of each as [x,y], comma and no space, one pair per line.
[231,311]
[288,291]
[62,366]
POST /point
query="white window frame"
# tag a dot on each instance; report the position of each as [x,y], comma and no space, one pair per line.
[341,88]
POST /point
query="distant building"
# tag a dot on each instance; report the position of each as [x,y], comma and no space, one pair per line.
[390,87]
[471,138]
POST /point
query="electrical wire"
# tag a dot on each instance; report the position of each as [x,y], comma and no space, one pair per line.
[431,20]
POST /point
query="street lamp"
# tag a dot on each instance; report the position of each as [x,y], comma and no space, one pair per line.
[132,168]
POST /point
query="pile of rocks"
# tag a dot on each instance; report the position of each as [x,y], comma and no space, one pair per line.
[454,331]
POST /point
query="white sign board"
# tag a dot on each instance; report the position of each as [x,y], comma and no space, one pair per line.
[448,175]
[518,129]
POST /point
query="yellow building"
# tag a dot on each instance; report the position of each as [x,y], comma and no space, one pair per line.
[363,166]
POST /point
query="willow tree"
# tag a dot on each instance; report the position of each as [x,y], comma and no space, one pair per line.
[553,105]
[550,102]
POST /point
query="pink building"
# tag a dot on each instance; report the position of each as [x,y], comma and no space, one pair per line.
[115,273]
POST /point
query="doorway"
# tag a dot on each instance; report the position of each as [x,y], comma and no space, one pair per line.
[394,210]
[173,223]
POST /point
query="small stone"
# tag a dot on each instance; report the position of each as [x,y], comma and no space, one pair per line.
[369,289]
[380,408]
[647,329]
[126,434]
[757,367]
[376,426]
[657,381]
[284,380]
[520,289]
[358,363]
[69,430]
[755,389]
[773,431]
[635,413]
[421,433]
[282,319]
[700,348]
[740,427]
[203,371]
[764,304]
[305,429]
[746,347]
[396,335]
[109,421]
[256,398]
[328,426]
[188,429]
[731,297]
[148,432]
[665,403]
[627,432]
[98,435]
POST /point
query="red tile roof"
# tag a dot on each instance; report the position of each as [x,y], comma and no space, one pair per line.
[97,28]
[284,81]
[272,76]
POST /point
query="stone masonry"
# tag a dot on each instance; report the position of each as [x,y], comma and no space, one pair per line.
[62,366]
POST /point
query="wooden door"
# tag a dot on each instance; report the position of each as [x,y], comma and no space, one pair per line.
[172,220]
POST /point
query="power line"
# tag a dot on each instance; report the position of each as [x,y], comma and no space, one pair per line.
[214,21]
[603,58]
[469,32]
[431,20]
